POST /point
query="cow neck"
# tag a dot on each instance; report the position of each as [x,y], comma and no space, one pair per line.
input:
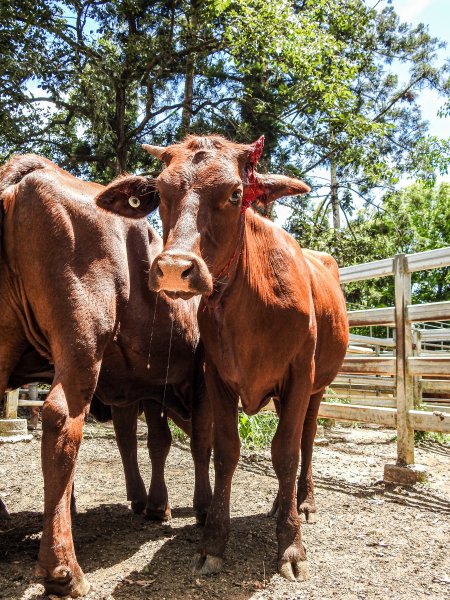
[224,278]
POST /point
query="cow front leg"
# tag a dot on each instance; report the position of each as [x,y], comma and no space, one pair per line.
[201,446]
[125,425]
[292,563]
[62,426]
[306,503]
[159,440]
[209,558]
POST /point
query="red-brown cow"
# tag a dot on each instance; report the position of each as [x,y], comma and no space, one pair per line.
[272,318]
[76,309]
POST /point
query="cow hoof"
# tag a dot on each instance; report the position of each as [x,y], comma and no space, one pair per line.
[309,514]
[158,514]
[206,565]
[60,582]
[293,570]
[138,506]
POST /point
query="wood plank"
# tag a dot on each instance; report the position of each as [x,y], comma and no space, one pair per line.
[370,270]
[367,381]
[438,421]
[371,316]
[434,366]
[433,311]
[371,365]
[366,339]
[404,382]
[435,385]
[436,335]
[11,404]
[431,259]
[355,412]
[31,403]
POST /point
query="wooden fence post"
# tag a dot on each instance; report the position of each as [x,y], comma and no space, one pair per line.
[417,380]
[12,402]
[404,382]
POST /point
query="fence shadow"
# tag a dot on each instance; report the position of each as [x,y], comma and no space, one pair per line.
[411,496]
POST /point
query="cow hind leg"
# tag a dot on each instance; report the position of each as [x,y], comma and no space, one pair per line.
[159,440]
[306,503]
[292,563]
[125,425]
[62,424]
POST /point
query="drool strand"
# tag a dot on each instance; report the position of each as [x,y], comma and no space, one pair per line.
[168,365]
[151,333]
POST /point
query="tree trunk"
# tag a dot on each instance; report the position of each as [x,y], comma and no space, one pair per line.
[186,114]
[121,148]
[335,209]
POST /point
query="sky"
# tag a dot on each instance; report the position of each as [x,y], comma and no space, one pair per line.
[435,14]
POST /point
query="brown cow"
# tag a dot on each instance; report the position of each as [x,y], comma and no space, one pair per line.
[272,318]
[76,309]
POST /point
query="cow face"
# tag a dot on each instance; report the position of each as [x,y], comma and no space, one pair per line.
[204,191]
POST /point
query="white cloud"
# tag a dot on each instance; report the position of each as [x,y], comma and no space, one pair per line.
[410,10]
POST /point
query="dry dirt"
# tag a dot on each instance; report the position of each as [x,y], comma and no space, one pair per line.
[370,542]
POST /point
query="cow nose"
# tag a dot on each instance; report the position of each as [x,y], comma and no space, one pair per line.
[183,273]
[170,268]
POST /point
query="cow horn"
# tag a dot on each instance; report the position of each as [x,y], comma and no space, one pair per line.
[156,151]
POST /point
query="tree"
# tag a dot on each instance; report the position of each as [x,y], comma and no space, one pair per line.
[414,219]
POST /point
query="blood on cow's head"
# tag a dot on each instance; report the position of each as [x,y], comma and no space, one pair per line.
[131,196]
[205,188]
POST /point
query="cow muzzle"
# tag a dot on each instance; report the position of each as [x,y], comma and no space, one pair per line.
[181,275]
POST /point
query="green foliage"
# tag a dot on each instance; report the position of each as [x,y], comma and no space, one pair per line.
[95,79]
[177,433]
[431,436]
[414,219]
[256,432]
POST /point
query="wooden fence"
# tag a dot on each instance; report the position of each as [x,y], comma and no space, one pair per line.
[402,369]
[400,372]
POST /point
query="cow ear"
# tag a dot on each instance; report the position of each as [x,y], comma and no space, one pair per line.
[267,188]
[130,196]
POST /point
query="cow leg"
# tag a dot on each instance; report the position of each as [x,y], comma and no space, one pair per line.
[201,446]
[63,416]
[159,440]
[285,457]
[125,425]
[306,503]
[226,455]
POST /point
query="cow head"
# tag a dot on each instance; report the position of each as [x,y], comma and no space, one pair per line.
[131,196]
[207,184]
[204,190]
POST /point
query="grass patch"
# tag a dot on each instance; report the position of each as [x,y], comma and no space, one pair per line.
[178,434]
[257,432]
[431,436]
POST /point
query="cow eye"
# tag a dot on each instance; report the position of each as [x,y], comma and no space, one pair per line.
[134,202]
[235,197]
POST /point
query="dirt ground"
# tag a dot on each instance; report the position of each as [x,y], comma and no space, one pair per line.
[370,542]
